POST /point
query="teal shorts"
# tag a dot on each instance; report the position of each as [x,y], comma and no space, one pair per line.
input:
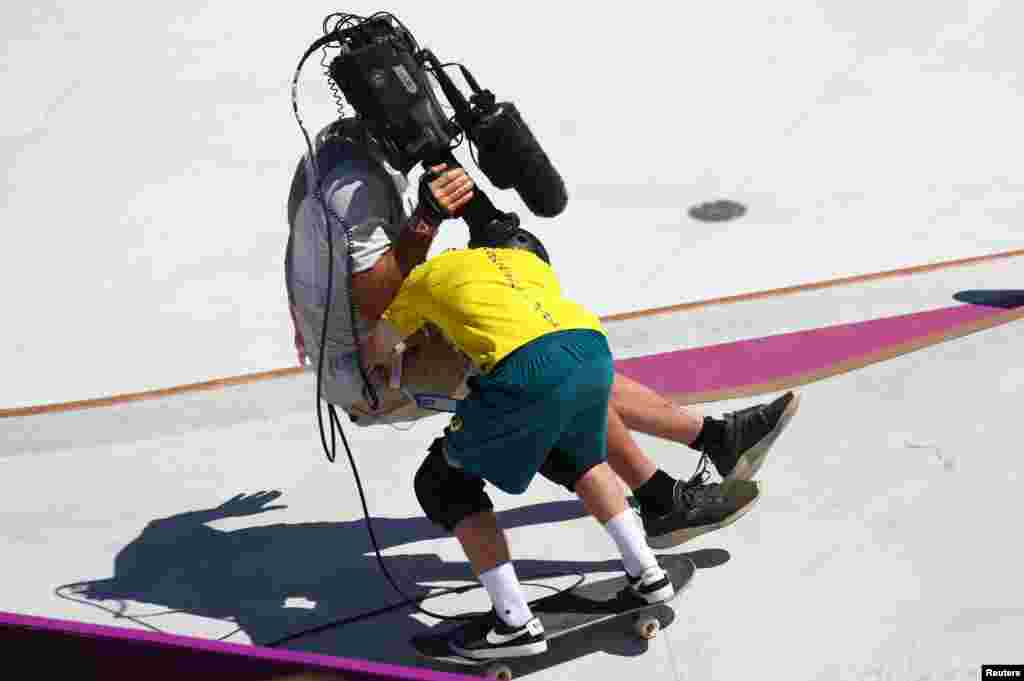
[551,393]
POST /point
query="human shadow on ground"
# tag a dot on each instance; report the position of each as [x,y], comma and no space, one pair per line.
[252,576]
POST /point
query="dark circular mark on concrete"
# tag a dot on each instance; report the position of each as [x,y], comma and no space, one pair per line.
[1006,299]
[717,211]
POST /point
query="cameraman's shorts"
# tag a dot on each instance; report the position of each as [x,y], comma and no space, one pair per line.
[552,392]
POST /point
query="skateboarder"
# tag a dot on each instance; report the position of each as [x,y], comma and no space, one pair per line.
[540,402]
[542,395]
[392,227]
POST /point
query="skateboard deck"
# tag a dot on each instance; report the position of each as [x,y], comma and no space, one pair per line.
[569,611]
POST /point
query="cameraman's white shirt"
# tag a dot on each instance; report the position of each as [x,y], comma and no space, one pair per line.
[368,201]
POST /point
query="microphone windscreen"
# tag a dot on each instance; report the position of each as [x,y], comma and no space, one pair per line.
[512,158]
[541,187]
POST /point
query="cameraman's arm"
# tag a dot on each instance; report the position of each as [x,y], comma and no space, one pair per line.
[375,288]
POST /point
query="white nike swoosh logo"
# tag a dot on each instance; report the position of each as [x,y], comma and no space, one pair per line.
[496,639]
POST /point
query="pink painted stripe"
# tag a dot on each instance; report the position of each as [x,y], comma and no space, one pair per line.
[184,644]
[772,358]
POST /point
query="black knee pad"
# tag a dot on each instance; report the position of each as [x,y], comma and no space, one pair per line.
[561,470]
[446,494]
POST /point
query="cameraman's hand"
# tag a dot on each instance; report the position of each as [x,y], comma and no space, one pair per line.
[380,343]
[451,189]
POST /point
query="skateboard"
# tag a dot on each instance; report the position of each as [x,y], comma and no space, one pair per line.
[570,611]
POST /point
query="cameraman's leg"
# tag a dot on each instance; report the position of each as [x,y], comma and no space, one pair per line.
[432,365]
[429,364]
[644,410]
[737,443]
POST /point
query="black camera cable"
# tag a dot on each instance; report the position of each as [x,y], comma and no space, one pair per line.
[372,397]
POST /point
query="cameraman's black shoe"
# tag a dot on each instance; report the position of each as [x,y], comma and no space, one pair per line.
[699,508]
[748,435]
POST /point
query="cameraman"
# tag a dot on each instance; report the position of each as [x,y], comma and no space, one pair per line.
[390,228]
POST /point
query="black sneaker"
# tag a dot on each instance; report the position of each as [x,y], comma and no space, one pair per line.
[749,434]
[698,508]
[652,586]
[488,637]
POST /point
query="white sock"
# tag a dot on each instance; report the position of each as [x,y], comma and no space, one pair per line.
[626,531]
[507,594]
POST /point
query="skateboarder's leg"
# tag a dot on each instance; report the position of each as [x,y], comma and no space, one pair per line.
[651,486]
[636,470]
[581,448]
[601,494]
[673,511]
[483,541]
[624,455]
[555,394]
[457,502]
[486,546]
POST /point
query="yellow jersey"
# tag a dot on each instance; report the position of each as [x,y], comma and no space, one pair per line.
[487,301]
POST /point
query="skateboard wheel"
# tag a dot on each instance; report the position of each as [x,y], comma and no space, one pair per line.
[501,672]
[647,627]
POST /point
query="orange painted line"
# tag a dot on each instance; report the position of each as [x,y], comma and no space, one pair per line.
[125,398]
[280,373]
[801,288]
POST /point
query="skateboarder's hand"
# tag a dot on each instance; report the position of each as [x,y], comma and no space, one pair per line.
[243,505]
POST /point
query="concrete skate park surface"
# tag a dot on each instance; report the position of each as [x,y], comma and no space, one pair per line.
[201,530]
[908,414]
